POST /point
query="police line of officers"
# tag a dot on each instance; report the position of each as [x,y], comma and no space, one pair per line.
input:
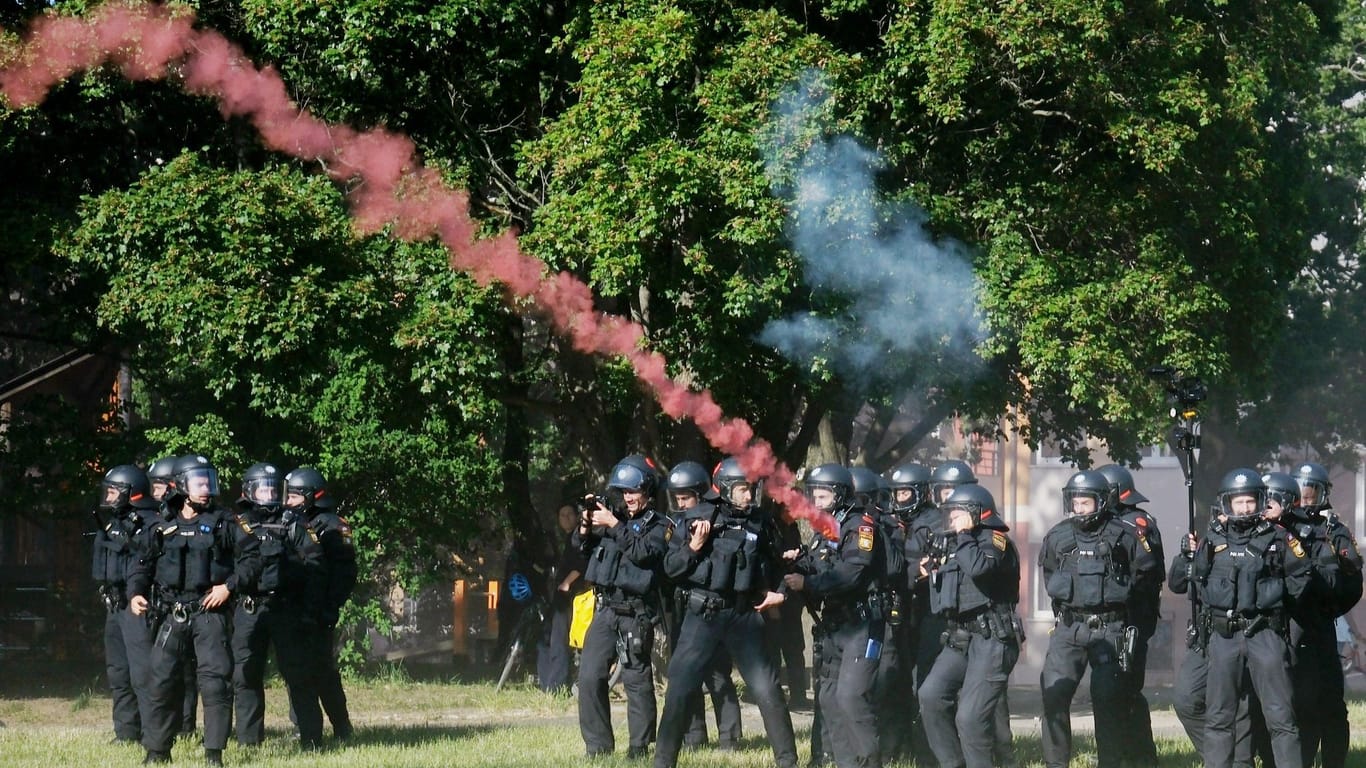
[916,593]
[197,594]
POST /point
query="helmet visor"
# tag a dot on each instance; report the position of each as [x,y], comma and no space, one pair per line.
[264,491]
[199,482]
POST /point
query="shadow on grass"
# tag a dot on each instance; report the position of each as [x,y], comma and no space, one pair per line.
[408,735]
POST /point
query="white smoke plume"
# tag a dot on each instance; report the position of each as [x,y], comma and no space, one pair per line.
[885,292]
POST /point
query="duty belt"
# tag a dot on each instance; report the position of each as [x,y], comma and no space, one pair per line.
[183,611]
[620,604]
[974,622]
[1227,625]
[1093,620]
[253,603]
[707,603]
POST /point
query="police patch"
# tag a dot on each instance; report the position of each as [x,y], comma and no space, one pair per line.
[1144,541]
[668,533]
[865,538]
[1295,546]
[998,540]
[1220,547]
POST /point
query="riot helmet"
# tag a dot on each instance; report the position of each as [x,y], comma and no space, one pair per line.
[947,476]
[910,487]
[1242,498]
[311,486]
[1314,486]
[263,486]
[633,474]
[159,476]
[1087,498]
[687,477]
[830,487]
[866,487]
[125,486]
[1122,484]
[195,481]
[977,502]
[733,486]
[1282,489]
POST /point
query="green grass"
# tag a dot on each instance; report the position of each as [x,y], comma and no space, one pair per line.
[402,722]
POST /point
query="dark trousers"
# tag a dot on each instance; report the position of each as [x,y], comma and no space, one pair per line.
[1263,663]
[1070,650]
[847,695]
[127,652]
[1189,702]
[330,692]
[553,652]
[207,634]
[740,630]
[787,645]
[298,648]
[962,698]
[1139,745]
[1320,697]
[725,703]
[304,651]
[637,677]
[888,695]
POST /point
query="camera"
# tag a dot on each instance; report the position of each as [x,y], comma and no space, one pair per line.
[1185,390]
[588,503]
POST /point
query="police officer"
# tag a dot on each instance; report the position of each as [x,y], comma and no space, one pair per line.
[125,509]
[869,494]
[975,586]
[1092,563]
[625,540]
[326,570]
[1249,577]
[917,634]
[1321,707]
[1145,608]
[194,564]
[848,580]
[256,613]
[727,560]
[159,476]
[688,484]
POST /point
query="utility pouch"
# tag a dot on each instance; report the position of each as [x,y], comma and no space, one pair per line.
[170,638]
[1126,648]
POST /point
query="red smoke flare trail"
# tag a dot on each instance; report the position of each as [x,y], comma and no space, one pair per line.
[150,42]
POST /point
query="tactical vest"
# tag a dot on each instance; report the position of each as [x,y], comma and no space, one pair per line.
[1245,577]
[1094,569]
[115,550]
[732,562]
[272,538]
[954,593]
[609,567]
[893,551]
[189,560]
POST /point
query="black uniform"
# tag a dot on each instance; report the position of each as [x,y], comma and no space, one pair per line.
[1320,690]
[975,589]
[261,620]
[888,692]
[1090,574]
[553,654]
[318,582]
[127,638]
[918,635]
[186,557]
[1249,580]
[1145,612]
[623,564]
[848,581]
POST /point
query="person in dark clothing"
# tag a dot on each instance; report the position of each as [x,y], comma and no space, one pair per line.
[727,559]
[553,655]
[194,564]
[975,586]
[1250,577]
[1092,563]
[625,540]
[849,583]
[125,511]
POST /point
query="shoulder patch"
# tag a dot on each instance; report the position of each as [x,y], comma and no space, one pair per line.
[668,532]
[1295,546]
[1144,541]
[1220,547]
[865,538]
[998,540]
[242,521]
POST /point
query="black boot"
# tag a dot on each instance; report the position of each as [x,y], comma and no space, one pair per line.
[154,757]
[213,756]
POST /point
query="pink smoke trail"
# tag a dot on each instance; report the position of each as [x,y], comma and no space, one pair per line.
[148,41]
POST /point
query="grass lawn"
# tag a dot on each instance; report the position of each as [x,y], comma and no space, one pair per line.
[401,722]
